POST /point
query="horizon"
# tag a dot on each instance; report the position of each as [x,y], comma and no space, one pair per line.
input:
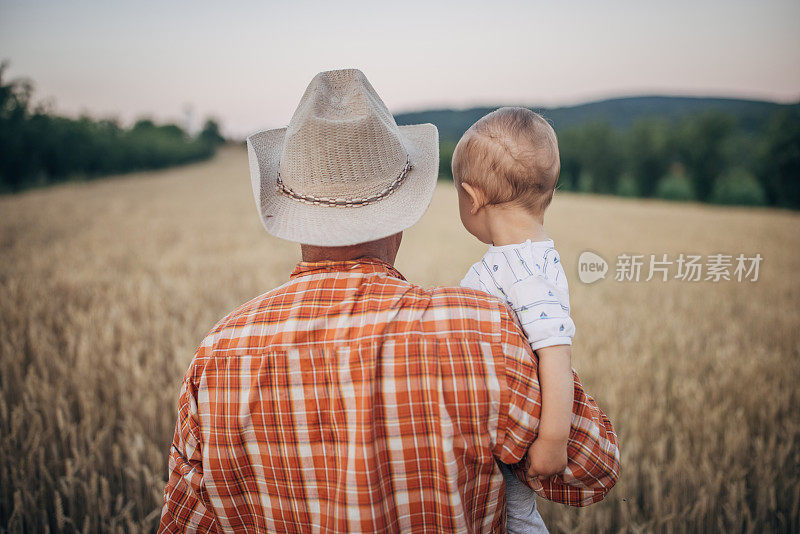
[601,99]
[248,66]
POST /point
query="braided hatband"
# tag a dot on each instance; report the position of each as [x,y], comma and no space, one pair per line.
[345,202]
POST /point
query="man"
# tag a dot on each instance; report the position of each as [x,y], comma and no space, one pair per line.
[349,399]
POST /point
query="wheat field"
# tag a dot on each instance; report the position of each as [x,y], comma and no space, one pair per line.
[106,289]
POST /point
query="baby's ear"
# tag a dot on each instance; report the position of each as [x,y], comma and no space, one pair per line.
[475,195]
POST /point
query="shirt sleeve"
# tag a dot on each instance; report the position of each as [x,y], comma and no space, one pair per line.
[593,457]
[542,307]
[473,280]
[186,504]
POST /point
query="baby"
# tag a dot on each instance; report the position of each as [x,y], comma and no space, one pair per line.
[505,168]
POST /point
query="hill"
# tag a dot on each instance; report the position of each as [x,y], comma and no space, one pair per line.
[619,113]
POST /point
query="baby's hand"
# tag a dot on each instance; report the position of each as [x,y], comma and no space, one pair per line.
[546,457]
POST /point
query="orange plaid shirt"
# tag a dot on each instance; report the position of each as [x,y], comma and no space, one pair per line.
[349,399]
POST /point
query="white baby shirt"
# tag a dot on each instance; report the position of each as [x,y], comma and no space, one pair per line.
[528,276]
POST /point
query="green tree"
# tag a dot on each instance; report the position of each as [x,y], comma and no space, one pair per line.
[779,167]
[701,142]
[602,156]
[571,165]
[649,153]
[675,186]
[38,147]
[627,186]
[739,187]
[14,113]
[592,150]
[210,133]
[446,149]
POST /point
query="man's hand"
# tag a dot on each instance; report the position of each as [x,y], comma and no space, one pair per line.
[546,457]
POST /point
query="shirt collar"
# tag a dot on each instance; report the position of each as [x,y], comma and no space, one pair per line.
[360,265]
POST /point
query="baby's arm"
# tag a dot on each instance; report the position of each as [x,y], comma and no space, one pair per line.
[548,453]
[542,307]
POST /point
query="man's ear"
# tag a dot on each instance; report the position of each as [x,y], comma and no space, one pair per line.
[476,196]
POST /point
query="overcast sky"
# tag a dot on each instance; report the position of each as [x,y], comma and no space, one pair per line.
[248,62]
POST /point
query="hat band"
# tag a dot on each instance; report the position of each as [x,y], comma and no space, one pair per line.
[344,202]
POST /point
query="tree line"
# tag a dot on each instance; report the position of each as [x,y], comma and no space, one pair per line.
[38,147]
[706,157]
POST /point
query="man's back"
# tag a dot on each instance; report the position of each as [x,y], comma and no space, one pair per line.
[351,400]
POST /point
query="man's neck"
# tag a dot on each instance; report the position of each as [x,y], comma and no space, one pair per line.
[384,249]
[510,224]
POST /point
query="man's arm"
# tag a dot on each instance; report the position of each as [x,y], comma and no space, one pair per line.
[593,458]
[185,496]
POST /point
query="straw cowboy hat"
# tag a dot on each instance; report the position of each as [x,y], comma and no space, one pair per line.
[342,172]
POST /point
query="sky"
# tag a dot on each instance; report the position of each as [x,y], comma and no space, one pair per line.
[247,63]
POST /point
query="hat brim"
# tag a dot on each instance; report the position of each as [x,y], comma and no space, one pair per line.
[331,226]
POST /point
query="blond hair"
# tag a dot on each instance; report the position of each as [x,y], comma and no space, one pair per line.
[511,154]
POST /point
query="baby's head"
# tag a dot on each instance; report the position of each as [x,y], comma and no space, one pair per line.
[508,158]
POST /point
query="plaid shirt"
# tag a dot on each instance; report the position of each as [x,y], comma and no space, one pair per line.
[349,399]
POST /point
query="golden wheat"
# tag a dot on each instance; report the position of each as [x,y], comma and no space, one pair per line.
[106,288]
